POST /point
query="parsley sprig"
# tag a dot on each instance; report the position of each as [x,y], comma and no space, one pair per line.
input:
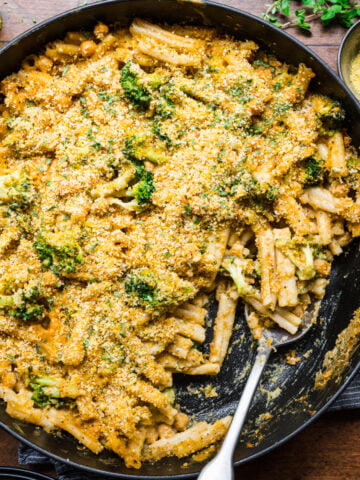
[283,14]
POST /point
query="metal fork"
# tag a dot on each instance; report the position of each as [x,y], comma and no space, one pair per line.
[221,466]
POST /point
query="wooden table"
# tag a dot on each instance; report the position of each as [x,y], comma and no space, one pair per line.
[330,448]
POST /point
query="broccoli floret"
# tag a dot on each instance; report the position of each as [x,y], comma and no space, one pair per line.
[141,193]
[143,286]
[15,191]
[301,254]
[306,269]
[160,134]
[156,290]
[59,259]
[245,185]
[47,393]
[134,181]
[136,149]
[165,107]
[314,171]
[137,94]
[234,266]
[330,112]
[27,305]
[143,190]
[171,395]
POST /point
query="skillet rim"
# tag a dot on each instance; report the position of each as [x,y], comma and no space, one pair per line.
[201,3]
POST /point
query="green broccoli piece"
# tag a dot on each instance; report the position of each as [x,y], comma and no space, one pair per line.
[143,286]
[245,185]
[137,94]
[136,149]
[165,107]
[143,190]
[15,191]
[301,254]
[59,259]
[314,171]
[27,305]
[233,265]
[160,134]
[133,181]
[330,112]
[156,290]
[171,395]
[47,393]
[306,269]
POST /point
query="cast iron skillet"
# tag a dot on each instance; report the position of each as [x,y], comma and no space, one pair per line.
[286,384]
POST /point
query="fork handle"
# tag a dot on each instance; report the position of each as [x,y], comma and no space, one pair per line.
[221,466]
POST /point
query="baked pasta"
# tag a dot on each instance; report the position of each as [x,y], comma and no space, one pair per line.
[142,169]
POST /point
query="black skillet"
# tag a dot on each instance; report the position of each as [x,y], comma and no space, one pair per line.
[286,384]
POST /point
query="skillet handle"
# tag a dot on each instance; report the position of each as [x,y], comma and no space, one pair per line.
[221,466]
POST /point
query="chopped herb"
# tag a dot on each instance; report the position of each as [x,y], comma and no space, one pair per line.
[93,246]
[188,209]
[65,70]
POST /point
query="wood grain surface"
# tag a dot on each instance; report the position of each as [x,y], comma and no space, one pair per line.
[329,449]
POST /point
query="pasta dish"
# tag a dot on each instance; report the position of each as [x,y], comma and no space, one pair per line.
[143,170]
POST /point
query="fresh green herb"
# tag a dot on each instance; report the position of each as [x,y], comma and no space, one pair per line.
[283,14]
[95,144]
[65,70]
[188,209]
[93,246]
[111,144]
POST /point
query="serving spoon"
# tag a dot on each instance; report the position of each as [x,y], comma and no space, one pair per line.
[221,466]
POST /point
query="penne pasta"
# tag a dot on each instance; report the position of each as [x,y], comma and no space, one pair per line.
[336,156]
[266,253]
[181,444]
[223,327]
[285,273]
